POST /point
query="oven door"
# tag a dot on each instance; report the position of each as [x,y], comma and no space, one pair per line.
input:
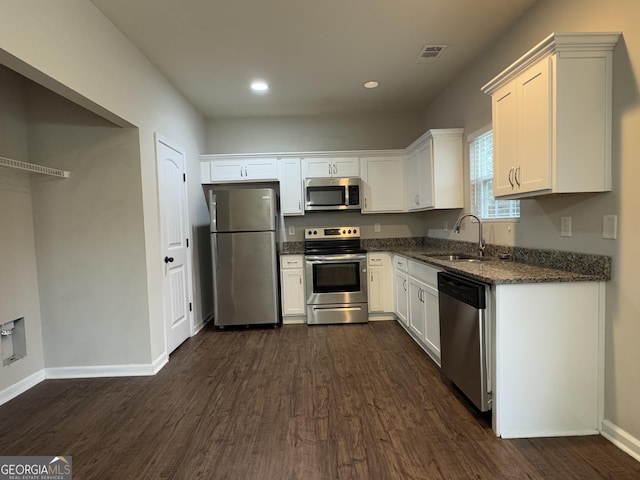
[336,279]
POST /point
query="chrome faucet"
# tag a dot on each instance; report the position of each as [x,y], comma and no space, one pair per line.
[480,242]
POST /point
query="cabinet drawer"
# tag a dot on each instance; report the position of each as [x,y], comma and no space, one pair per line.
[426,273]
[400,263]
[376,259]
[291,261]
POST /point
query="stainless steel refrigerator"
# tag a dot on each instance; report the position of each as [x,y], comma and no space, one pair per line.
[244,251]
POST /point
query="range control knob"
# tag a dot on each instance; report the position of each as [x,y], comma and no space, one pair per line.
[355,231]
[309,232]
[315,232]
[349,231]
[344,231]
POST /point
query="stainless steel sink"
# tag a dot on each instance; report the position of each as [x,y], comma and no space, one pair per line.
[458,258]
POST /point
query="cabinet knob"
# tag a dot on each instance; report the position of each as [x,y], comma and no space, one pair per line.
[168,259]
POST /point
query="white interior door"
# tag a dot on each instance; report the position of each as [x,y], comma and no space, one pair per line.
[175,239]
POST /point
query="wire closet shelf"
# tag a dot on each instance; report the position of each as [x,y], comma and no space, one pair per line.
[32,167]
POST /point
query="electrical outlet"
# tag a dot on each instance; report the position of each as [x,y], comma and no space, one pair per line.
[565,226]
[445,225]
[292,230]
[376,227]
[610,226]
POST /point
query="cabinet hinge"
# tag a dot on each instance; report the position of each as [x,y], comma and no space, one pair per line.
[184,177]
[190,307]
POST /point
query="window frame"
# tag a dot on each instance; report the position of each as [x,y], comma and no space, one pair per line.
[470,138]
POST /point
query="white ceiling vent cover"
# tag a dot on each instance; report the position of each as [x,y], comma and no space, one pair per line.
[430,53]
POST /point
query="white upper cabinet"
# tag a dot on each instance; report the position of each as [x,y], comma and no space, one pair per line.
[321,167]
[383,182]
[552,118]
[243,169]
[434,170]
[291,190]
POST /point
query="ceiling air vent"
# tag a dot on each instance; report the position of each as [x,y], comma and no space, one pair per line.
[430,53]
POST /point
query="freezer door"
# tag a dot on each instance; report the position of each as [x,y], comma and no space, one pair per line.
[245,278]
[242,209]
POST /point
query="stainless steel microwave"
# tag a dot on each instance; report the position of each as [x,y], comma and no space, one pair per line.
[331,194]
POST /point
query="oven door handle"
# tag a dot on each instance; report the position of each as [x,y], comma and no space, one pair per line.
[334,258]
[336,309]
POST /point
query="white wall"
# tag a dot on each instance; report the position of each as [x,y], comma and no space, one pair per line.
[89,236]
[71,48]
[18,274]
[305,134]
[463,105]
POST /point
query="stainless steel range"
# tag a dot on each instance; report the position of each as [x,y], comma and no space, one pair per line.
[336,275]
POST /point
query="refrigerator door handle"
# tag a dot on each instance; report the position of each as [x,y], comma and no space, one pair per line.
[214,246]
[213,204]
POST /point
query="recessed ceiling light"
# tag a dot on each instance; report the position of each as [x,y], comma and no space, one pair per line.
[259,86]
[371,84]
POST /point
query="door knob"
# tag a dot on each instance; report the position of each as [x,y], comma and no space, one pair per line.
[168,259]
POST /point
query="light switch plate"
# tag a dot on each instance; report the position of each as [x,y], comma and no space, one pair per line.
[376,227]
[610,226]
[292,230]
[565,226]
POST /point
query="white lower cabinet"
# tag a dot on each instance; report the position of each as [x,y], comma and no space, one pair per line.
[547,360]
[292,288]
[401,290]
[416,308]
[424,314]
[379,271]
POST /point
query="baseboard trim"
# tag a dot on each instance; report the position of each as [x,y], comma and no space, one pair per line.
[378,317]
[22,386]
[621,439]
[159,363]
[97,371]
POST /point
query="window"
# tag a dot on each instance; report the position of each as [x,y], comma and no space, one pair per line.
[483,204]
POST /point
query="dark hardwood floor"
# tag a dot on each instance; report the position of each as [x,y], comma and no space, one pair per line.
[299,402]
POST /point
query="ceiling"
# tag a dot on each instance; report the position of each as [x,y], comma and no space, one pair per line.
[315,55]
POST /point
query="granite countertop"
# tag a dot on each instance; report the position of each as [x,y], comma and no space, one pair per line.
[525,266]
[495,271]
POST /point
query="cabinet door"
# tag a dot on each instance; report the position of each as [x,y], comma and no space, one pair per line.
[416,308]
[413,181]
[290,186]
[401,296]
[260,169]
[377,285]
[384,187]
[293,301]
[425,175]
[432,325]
[227,170]
[505,143]
[345,167]
[533,173]
[317,168]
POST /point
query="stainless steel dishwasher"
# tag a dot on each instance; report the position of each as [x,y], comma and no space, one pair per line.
[464,336]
